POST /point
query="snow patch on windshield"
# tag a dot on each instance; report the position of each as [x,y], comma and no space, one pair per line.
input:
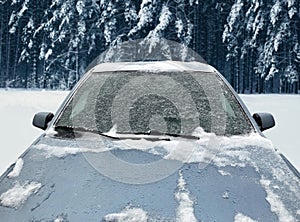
[154,66]
[242,218]
[17,195]
[128,214]
[17,169]
[277,205]
[185,210]
[113,131]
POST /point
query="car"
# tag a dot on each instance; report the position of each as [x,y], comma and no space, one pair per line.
[151,141]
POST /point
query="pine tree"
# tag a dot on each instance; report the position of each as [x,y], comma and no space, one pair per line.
[49,43]
[269,33]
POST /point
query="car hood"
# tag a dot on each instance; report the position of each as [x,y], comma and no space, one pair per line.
[88,179]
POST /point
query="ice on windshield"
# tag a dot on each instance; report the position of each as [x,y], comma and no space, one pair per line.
[169,102]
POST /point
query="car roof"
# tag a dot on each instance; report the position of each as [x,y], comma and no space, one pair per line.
[154,66]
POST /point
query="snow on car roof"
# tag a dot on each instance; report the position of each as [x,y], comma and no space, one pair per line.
[154,66]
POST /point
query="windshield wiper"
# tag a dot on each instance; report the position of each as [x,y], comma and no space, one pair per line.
[62,130]
[153,135]
[156,133]
[117,135]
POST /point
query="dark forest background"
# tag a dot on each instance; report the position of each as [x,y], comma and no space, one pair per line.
[255,44]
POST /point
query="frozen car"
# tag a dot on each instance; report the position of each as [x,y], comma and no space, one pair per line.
[151,141]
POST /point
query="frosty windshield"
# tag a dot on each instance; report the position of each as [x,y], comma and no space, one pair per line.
[168,102]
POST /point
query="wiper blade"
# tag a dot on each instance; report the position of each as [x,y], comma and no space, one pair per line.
[158,133]
[81,129]
[154,132]
[152,135]
[118,135]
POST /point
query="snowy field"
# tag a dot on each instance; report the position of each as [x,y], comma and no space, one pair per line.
[286,111]
[18,107]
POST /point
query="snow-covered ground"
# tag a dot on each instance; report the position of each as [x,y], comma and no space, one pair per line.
[286,111]
[17,108]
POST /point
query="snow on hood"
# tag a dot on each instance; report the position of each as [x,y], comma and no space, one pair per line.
[17,195]
[128,214]
[185,210]
[17,168]
[237,151]
[60,152]
[276,204]
[59,219]
[242,218]
[181,149]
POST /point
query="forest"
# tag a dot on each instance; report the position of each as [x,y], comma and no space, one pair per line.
[48,44]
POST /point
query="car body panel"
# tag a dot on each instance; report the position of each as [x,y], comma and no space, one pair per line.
[71,187]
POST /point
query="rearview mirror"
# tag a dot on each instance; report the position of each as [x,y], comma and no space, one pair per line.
[264,120]
[41,120]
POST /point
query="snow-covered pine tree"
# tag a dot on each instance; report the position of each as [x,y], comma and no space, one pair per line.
[60,38]
[8,46]
[2,27]
[283,38]
[65,29]
[158,20]
[23,22]
[267,32]
[232,36]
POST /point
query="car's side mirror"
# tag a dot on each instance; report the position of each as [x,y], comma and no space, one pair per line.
[264,120]
[41,120]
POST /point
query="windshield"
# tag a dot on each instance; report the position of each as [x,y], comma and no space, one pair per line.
[176,103]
